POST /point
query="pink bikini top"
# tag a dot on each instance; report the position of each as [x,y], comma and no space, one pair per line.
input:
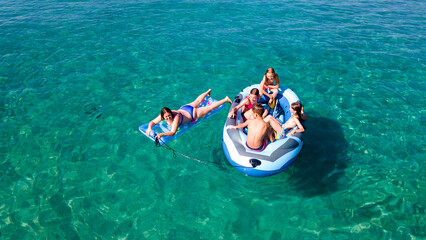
[250,105]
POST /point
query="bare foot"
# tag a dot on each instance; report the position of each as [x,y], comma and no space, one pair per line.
[208,92]
[228,100]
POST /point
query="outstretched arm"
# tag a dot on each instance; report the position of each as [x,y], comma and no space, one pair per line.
[235,109]
[154,122]
[241,125]
[173,129]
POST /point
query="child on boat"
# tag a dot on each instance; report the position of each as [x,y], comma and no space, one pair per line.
[247,105]
[267,86]
[259,132]
[184,114]
[286,129]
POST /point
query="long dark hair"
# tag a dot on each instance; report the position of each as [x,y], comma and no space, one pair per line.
[165,110]
[297,106]
[255,91]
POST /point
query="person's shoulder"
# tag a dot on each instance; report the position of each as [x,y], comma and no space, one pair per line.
[251,122]
[259,121]
[295,119]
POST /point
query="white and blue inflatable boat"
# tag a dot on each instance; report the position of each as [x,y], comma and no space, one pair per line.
[277,156]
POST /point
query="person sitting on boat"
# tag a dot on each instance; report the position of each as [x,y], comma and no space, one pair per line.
[286,129]
[247,104]
[185,114]
[267,86]
[259,132]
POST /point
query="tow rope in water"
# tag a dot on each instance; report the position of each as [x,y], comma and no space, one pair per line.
[165,146]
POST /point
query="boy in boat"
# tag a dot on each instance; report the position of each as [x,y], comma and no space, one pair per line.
[259,133]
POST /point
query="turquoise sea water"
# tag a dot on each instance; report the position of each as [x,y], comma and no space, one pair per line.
[78,78]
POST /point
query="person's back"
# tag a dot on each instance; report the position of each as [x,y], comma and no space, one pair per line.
[257,129]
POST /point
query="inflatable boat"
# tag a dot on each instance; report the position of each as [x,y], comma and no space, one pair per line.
[277,156]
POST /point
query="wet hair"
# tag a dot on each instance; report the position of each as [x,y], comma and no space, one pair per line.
[297,106]
[258,108]
[165,110]
[255,91]
[270,70]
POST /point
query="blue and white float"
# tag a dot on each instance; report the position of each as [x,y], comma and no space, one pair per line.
[277,156]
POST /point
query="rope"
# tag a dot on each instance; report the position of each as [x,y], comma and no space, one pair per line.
[165,146]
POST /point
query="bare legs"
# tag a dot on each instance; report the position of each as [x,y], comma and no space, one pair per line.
[274,95]
[200,99]
[270,135]
[275,124]
[203,111]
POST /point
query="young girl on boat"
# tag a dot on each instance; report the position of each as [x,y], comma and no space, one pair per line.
[286,129]
[247,105]
[269,85]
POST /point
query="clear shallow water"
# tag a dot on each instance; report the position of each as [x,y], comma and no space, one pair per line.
[78,78]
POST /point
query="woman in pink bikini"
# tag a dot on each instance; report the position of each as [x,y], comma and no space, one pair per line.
[184,114]
[267,86]
[247,104]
